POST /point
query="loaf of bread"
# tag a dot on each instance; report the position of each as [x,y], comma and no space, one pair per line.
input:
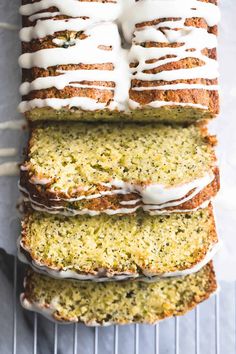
[141,249]
[118,247]
[77,169]
[76,67]
[103,304]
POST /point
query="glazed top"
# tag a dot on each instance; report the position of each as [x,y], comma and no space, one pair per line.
[102,24]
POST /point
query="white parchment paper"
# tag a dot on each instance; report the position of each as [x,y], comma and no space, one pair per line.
[224,127]
[10,77]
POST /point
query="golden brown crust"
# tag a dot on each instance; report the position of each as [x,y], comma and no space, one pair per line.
[35,72]
[203,97]
[102,96]
[41,195]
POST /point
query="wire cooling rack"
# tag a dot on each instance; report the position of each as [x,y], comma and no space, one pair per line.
[209,329]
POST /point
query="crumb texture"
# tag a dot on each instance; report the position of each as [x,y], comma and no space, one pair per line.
[119,244]
[73,156]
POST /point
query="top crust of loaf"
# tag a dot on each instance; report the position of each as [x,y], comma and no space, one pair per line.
[197,101]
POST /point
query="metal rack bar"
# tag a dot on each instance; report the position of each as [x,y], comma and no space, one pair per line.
[55,338]
[96,340]
[136,338]
[35,333]
[157,339]
[116,339]
[176,335]
[75,339]
[217,324]
[14,333]
[197,351]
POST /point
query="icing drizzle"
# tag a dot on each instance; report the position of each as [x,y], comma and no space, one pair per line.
[17,124]
[154,198]
[9,169]
[87,51]
[97,21]
[8,26]
[74,8]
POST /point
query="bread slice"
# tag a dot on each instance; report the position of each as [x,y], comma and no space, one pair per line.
[105,247]
[81,168]
[75,68]
[105,304]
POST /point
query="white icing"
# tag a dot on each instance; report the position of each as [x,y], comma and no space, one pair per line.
[130,202]
[178,87]
[67,78]
[43,15]
[154,198]
[188,37]
[40,308]
[49,27]
[84,103]
[158,104]
[74,212]
[9,169]
[43,181]
[68,273]
[8,26]
[7,152]
[128,14]
[208,71]
[74,8]
[149,10]
[48,312]
[13,124]
[166,211]
[86,51]
[162,196]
